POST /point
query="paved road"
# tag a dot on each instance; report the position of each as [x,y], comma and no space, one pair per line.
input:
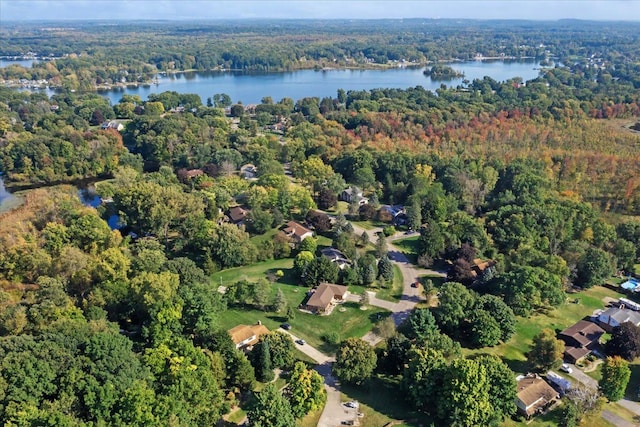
[583,378]
[630,405]
[335,412]
[310,351]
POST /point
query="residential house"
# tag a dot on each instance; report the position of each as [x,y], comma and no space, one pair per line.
[479,266]
[336,257]
[616,316]
[112,125]
[246,336]
[193,173]
[237,215]
[534,395]
[396,214]
[353,194]
[580,340]
[248,171]
[297,232]
[325,297]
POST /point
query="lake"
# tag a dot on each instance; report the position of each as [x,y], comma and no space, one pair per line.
[26,63]
[250,88]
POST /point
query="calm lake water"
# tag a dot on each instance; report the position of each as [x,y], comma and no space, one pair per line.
[250,88]
[26,63]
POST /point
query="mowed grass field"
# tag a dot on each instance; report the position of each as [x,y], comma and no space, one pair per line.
[347,320]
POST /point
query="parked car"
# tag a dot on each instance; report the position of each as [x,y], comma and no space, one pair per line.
[301,342]
[351,404]
[566,368]
[415,284]
[286,326]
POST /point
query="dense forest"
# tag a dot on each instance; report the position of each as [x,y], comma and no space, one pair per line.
[123,326]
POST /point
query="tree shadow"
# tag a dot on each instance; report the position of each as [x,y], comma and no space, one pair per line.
[517,366]
[277,318]
[386,397]
[379,317]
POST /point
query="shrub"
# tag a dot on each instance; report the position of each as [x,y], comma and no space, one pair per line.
[389,231]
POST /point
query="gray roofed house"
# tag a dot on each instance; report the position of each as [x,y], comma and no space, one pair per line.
[614,316]
[336,257]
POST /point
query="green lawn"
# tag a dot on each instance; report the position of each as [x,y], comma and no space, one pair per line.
[255,272]
[513,352]
[348,320]
[394,292]
[382,402]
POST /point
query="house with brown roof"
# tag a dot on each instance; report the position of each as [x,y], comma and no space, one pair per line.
[297,232]
[534,395]
[479,266]
[325,297]
[237,215]
[246,336]
[580,340]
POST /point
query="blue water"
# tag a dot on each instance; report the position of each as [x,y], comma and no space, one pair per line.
[26,63]
[630,284]
[250,88]
[89,197]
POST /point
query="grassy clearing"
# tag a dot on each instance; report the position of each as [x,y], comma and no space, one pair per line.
[348,320]
[513,352]
[382,402]
[255,271]
[407,246]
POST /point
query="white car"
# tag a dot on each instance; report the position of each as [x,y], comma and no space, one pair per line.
[566,368]
[352,404]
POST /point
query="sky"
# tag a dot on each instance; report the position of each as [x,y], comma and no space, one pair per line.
[21,10]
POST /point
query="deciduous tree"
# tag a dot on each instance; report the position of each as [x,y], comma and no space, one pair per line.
[615,377]
[355,361]
[305,390]
[546,350]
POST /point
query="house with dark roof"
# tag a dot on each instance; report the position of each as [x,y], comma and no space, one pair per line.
[616,316]
[580,340]
[325,297]
[237,215]
[534,395]
[297,232]
[337,257]
[246,336]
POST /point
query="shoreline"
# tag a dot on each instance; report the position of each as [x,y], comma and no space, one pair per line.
[119,86]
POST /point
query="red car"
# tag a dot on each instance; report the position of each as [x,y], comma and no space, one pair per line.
[415,284]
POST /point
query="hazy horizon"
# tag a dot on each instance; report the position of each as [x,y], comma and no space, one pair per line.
[140,10]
